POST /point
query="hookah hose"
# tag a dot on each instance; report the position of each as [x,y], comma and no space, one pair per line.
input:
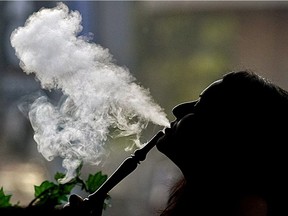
[124,169]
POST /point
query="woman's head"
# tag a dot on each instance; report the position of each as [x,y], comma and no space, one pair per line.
[239,121]
[230,144]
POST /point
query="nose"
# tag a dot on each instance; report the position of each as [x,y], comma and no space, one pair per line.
[183,109]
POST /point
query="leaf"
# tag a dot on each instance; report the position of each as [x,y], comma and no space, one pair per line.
[4,199]
[39,190]
[49,194]
[58,176]
[95,181]
[66,188]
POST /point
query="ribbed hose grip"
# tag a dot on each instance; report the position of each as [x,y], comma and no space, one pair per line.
[125,168]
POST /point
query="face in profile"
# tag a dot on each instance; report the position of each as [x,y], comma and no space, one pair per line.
[188,132]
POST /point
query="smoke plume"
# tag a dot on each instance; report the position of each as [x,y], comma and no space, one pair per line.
[100,96]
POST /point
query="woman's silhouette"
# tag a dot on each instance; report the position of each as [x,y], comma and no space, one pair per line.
[230,145]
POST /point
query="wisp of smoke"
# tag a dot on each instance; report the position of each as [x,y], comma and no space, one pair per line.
[100,96]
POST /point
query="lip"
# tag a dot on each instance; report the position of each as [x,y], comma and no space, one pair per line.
[168,133]
[168,130]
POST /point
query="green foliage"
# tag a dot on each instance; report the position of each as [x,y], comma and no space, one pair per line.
[4,199]
[95,181]
[52,194]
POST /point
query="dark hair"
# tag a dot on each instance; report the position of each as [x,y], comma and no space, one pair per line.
[249,157]
[175,202]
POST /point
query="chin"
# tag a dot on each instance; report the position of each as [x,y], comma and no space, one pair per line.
[162,144]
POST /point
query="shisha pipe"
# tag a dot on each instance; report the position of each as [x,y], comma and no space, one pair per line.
[125,168]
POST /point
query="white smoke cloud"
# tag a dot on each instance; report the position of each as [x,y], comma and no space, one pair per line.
[100,95]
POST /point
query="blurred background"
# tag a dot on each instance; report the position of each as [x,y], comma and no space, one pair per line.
[174,49]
